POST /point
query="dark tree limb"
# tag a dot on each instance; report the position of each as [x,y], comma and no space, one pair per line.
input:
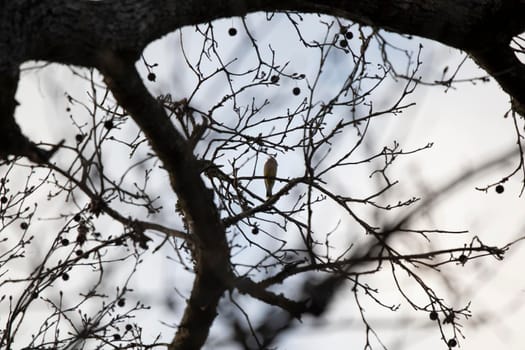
[210,249]
[502,64]
[80,32]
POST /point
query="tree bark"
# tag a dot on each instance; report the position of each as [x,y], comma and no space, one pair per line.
[78,32]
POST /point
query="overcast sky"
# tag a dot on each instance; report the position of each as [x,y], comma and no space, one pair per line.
[467,128]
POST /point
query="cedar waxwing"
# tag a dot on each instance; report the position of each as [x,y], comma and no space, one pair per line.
[270,170]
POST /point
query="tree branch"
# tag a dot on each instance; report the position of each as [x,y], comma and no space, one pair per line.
[80,32]
[502,64]
[210,249]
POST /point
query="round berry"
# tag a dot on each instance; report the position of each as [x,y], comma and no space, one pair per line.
[77,217]
[255,230]
[152,76]
[116,336]
[349,35]
[79,137]
[121,302]
[463,259]
[343,43]
[232,31]
[500,189]
[433,315]
[24,225]
[65,276]
[452,343]
[79,252]
[129,327]
[108,124]
[296,91]
[64,241]
[274,79]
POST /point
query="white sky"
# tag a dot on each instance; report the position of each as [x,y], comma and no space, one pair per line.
[467,128]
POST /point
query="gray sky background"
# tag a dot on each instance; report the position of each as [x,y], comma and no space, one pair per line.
[467,128]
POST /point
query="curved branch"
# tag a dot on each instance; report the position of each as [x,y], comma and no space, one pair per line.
[210,249]
[80,32]
[76,32]
[502,64]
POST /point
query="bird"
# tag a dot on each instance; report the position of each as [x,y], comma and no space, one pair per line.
[270,170]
